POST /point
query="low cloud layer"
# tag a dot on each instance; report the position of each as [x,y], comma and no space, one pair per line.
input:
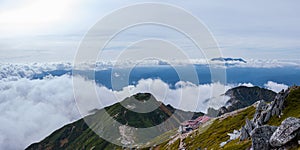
[32,109]
[276,87]
[15,71]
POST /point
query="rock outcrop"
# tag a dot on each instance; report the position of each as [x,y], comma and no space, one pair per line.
[260,137]
[246,130]
[265,137]
[263,114]
[244,134]
[286,132]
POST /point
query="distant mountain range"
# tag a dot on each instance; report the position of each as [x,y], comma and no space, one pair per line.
[245,103]
[241,97]
[229,59]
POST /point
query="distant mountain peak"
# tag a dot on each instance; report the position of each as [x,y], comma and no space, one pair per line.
[241,97]
[222,59]
[142,96]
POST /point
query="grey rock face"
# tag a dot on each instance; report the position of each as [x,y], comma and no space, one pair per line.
[267,117]
[249,126]
[244,134]
[278,104]
[275,111]
[260,137]
[286,132]
[258,116]
[261,106]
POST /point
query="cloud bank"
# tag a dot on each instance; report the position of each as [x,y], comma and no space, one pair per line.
[14,71]
[276,87]
[32,109]
[17,71]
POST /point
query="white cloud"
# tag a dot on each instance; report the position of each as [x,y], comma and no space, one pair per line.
[246,84]
[17,71]
[186,95]
[32,109]
[276,87]
[269,63]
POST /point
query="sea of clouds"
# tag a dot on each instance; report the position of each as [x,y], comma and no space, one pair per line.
[31,109]
[14,71]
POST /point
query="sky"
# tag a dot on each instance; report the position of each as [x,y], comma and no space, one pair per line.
[51,30]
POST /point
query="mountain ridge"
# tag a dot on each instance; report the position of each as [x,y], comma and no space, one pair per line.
[227,132]
[70,135]
[209,135]
[241,97]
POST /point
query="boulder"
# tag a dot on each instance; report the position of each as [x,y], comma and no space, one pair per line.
[286,132]
[260,137]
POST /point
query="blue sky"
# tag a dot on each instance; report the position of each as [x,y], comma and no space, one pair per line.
[51,30]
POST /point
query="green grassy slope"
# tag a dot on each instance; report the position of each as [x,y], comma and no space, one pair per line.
[217,132]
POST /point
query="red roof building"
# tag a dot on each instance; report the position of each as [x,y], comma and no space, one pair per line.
[192,124]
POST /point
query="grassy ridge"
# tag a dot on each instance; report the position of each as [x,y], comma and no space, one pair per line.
[217,132]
